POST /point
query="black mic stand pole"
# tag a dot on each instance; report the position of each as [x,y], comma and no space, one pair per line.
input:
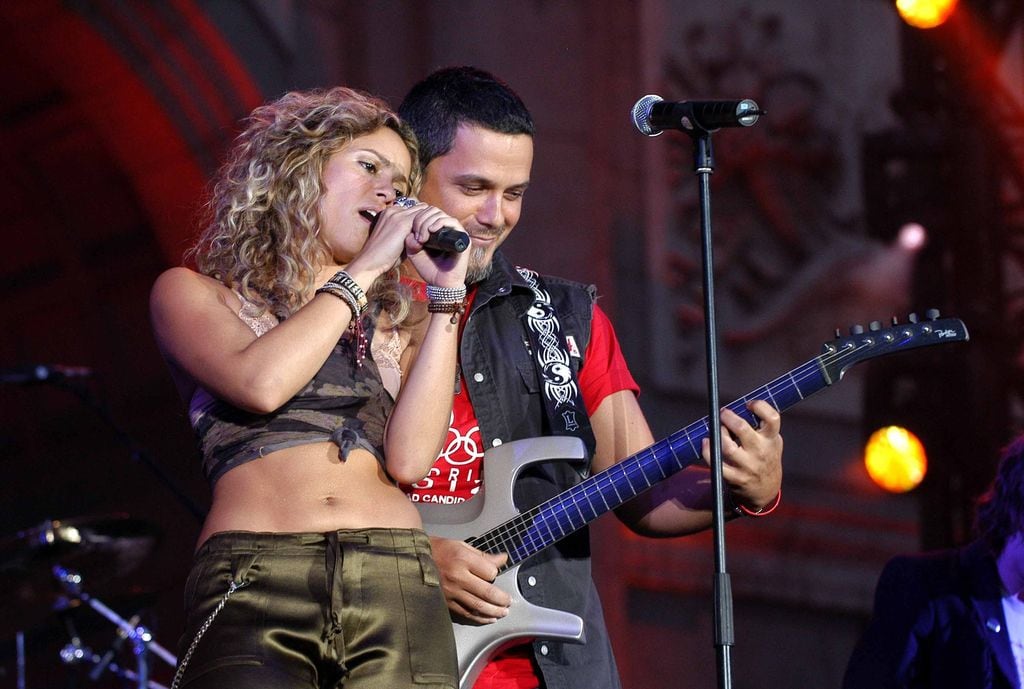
[724,637]
[135,450]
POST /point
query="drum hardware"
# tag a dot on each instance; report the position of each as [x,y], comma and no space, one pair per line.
[117,545]
[108,658]
[19,650]
[105,547]
[41,567]
[139,636]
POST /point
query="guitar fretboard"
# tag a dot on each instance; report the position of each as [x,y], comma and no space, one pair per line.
[532,531]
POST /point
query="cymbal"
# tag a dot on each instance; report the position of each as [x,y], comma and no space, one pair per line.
[100,549]
[104,546]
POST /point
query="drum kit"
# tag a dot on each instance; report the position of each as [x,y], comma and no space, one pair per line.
[49,570]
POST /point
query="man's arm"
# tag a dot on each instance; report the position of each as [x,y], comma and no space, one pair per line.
[751,466]
[680,505]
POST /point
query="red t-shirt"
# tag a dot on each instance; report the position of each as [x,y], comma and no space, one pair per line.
[456,475]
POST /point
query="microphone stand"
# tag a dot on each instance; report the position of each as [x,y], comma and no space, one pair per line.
[136,451]
[651,116]
[724,635]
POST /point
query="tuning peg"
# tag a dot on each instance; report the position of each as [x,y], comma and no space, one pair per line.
[856,329]
[932,314]
[912,318]
[838,334]
[895,321]
[874,326]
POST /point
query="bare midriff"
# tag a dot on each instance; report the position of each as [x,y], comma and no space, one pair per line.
[308,488]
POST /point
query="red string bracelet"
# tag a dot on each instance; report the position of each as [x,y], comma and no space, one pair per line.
[764,511]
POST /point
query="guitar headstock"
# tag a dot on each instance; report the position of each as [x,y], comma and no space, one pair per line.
[875,341]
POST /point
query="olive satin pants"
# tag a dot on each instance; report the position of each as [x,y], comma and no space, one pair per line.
[358,609]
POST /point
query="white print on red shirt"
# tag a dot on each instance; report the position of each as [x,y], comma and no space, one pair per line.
[455,476]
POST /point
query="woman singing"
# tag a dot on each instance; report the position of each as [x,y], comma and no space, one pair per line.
[312,398]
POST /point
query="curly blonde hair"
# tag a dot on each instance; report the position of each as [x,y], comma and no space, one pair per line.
[264,212]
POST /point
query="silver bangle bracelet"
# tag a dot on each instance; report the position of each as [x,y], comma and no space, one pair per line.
[446,295]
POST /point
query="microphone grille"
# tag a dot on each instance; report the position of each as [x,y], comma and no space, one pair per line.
[642,115]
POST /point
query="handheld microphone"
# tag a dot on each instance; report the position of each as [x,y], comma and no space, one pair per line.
[652,115]
[41,373]
[447,240]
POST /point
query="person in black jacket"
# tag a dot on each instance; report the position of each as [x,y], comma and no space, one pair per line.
[954,618]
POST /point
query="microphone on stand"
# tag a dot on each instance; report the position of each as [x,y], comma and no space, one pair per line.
[652,114]
[41,373]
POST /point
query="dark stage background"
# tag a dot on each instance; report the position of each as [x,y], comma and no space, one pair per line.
[115,114]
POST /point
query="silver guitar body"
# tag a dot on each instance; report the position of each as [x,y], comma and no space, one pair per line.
[502,464]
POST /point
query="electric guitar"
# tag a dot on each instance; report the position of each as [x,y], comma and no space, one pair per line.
[527,533]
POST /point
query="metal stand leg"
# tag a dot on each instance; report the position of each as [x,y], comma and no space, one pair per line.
[141,638]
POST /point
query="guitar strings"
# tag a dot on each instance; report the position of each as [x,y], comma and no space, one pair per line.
[550,513]
[556,507]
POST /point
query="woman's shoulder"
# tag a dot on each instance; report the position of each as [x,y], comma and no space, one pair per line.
[182,299]
[185,278]
[180,285]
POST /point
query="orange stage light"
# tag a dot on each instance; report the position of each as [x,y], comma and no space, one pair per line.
[925,14]
[895,459]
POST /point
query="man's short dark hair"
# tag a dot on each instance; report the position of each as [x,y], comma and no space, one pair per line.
[1000,511]
[436,106]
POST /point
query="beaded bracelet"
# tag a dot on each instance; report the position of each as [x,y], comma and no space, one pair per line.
[446,295]
[341,293]
[455,308]
[447,300]
[345,282]
[764,511]
[356,324]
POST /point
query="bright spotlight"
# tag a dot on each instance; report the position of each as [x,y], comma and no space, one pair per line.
[912,236]
[925,14]
[895,459]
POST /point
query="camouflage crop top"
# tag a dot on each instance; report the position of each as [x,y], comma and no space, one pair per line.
[344,403]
